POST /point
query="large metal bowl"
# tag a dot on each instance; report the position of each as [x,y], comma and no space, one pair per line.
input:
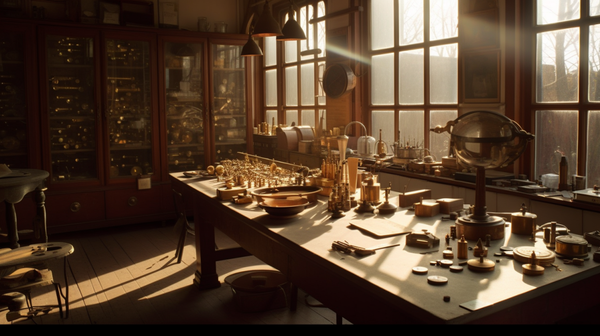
[288,207]
[311,193]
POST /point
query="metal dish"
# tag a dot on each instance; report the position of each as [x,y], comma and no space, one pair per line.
[288,207]
[309,192]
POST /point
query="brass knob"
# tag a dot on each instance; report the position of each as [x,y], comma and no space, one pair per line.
[75,206]
[132,201]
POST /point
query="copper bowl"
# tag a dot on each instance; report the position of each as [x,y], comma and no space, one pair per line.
[287,207]
[309,192]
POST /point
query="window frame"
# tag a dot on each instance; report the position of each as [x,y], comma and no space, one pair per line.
[530,105]
[281,10]
[426,107]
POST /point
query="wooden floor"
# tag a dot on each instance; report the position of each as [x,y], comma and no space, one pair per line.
[128,275]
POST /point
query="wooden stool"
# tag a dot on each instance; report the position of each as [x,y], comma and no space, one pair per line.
[37,254]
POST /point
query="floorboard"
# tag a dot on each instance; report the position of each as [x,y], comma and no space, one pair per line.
[129,275]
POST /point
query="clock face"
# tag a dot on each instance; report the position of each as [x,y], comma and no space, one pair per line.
[337,80]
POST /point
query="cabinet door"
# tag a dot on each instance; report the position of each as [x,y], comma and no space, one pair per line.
[229,103]
[70,104]
[18,97]
[184,91]
[128,106]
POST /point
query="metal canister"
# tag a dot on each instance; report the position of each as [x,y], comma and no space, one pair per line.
[571,247]
[523,222]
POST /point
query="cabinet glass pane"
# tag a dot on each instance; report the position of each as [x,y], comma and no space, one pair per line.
[185,107]
[229,101]
[13,101]
[71,114]
[129,108]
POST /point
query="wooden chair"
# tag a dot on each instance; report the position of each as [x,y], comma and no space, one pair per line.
[182,226]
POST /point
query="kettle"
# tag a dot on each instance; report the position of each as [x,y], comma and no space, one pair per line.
[365,143]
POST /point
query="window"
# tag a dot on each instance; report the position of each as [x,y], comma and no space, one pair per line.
[293,71]
[414,71]
[565,104]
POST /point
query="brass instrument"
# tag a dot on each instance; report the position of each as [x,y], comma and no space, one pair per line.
[78,88]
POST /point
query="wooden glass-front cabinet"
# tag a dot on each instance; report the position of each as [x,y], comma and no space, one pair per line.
[18,97]
[205,100]
[229,112]
[98,105]
[100,125]
[184,100]
[109,111]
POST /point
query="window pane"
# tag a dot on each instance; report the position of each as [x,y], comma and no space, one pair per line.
[321,93]
[291,86]
[594,64]
[410,128]
[308,84]
[439,144]
[411,75]
[382,79]
[308,117]
[321,29]
[593,148]
[411,21]
[443,19]
[594,7]
[291,116]
[271,88]
[555,135]
[382,24]
[309,43]
[322,119]
[291,51]
[552,11]
[384,121]
[443,74]
[270,52]
[557,66]
[271,117]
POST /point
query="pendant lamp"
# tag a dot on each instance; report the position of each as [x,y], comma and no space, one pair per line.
[292,30]
[266,24]
[251,48]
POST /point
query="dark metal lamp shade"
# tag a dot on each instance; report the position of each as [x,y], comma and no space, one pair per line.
[251,48]
[266,24]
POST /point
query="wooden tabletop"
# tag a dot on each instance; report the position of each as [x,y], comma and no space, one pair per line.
[390,271]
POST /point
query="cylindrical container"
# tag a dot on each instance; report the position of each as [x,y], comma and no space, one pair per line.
[523,223]
[563,183]
[463,248]
[571,247]
[578,182]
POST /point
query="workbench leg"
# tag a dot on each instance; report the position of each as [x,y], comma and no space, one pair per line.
[293,297]
[206,276]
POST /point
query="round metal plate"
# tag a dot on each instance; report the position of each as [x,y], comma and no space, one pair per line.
[523,254]
[420,270]
[437,280]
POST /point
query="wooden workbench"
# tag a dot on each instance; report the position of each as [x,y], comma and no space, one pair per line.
[382,288]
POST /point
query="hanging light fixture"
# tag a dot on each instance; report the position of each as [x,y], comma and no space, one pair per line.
[251,48]
[266,24]
[292,30]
